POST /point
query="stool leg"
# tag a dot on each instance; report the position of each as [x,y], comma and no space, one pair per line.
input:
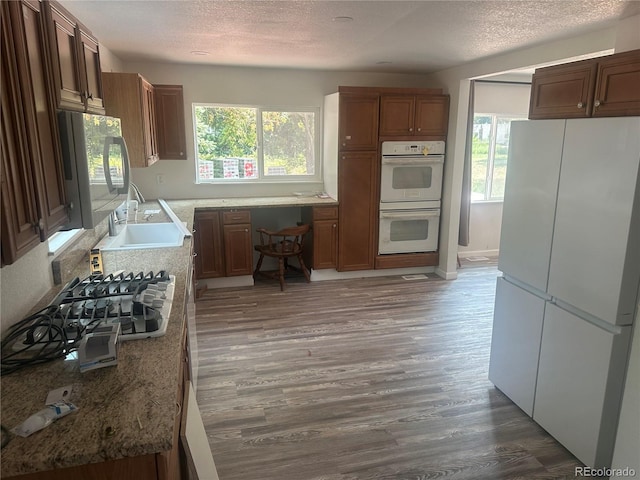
[258,265]
[304,269]
[281,272]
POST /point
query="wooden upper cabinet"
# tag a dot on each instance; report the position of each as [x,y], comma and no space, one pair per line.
[599,87]
[51,187]
[563,91]
[172,143]
[91,74]
[414,115]
[617,91]
[432,115]
[19,208]
[33,196]
[75,62]
[149,130]
[358,124]
[397,113]
[130,97]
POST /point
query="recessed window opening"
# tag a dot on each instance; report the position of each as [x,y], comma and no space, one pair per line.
[247,144]
[490,150]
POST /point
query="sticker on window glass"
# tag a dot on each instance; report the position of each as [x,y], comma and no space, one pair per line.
[230,168]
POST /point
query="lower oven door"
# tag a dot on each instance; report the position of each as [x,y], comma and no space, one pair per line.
[408,231]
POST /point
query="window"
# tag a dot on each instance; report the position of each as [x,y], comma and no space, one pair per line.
[490,149]
[253,144]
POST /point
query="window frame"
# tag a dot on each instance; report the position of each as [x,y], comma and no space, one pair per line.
[489,174]
[262,178]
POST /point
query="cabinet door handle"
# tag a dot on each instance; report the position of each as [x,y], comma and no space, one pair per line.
[411,129]
[334,225]
[246,229]
[195,254]
[597,103]
[580,105]
[419,129]
[193,230]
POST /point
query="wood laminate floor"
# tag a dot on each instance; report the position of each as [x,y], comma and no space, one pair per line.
[378,378]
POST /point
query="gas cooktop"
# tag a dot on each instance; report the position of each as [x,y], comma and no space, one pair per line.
[140,303]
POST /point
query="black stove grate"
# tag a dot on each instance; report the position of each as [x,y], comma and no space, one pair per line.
[80,307]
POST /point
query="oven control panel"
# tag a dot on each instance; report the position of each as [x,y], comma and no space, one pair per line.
[413,148]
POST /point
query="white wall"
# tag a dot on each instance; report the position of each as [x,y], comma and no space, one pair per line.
[485,221]
[627,447]
[27,280]
[23,283]
[235,85]
[485,218]
[456,82]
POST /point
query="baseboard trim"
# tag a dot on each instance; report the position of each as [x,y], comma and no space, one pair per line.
[446,275]
[478,253]
[330,274]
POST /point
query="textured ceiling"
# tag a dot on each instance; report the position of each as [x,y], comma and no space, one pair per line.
[384,36]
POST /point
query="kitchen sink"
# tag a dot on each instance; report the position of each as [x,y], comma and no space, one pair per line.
[145,235]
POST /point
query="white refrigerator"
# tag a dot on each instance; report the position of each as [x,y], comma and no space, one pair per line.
[570,263]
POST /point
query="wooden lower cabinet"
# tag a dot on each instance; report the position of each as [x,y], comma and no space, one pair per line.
[144,467]
[321,244]
[358,212]
[238,250]
[207,236]
[223,243]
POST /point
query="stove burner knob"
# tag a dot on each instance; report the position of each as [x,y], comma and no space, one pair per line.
[151,325]
[157,303]
[147,298]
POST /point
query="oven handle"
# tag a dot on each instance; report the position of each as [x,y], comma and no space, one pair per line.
[397,215]
[428,160]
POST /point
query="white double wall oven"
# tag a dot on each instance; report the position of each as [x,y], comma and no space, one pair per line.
[410,195]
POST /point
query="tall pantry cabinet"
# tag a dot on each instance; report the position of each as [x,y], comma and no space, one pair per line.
[353,137]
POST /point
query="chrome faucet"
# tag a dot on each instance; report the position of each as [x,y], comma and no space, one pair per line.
[113,221]
[136,192]
[112,224]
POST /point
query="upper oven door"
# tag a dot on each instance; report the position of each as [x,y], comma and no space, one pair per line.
[411,178]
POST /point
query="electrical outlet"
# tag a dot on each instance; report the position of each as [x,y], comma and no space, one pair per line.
[160,179]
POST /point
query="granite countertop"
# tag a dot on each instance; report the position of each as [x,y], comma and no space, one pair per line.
[137,398]
[258,202]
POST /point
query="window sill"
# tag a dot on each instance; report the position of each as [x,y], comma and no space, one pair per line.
[475,202]
[60,240]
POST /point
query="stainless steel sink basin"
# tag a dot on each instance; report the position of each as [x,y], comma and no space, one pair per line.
[145,235]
